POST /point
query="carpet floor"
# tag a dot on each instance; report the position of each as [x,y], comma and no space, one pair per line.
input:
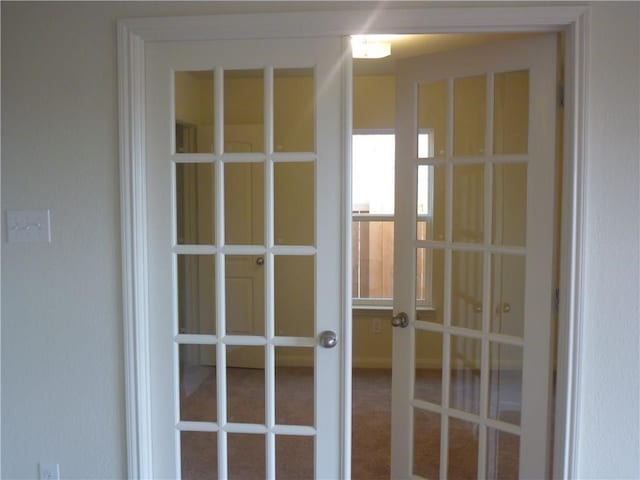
[371,428]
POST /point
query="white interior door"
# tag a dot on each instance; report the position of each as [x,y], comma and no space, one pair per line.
[473,265]
[244,150]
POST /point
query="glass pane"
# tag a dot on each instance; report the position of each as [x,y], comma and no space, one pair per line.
[294,386]
[465,374]
[372,245]
[468,203]
[429,285]
[199,455]
[373,173]
[195,199]
[294,457]
[507,294]
[505,383]
[244,285]
[426,443]
[510,204]
[294,203]
[246,456]
[198,383]
[294,110]
[463,449]
[428,375]
[431,202]
[294,296]
[245,384]
[194,112]
[196,294]
[466,289]
[469,115]
[244,203]
[511,112]
[503,454]
[243,111]
[432,119]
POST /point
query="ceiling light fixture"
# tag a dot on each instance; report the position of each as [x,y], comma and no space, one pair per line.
[368,46]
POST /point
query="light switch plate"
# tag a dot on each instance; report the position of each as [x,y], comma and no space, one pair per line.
[28,226]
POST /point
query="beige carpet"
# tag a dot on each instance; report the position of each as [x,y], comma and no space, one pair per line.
[294,455]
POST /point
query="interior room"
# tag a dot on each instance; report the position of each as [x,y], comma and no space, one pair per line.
[246,366]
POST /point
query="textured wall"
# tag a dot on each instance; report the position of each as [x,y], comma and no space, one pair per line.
[62,367]
[609,441]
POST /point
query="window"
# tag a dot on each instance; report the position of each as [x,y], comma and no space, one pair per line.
[373,218]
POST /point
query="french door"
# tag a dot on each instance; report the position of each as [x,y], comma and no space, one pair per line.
[473,262]
[244,148]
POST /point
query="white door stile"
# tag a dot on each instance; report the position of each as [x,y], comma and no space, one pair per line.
[135,34]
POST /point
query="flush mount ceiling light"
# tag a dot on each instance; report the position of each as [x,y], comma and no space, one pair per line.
[370,46]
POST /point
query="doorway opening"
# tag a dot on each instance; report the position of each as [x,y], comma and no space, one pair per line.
[373,219]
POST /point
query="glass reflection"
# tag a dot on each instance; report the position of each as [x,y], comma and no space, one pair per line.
[195,203]
[196,294]
[244,203]
[198,401]
[468,203]
[428,361]
[294,203]
[465,374]
[294,110]
[507,294]
[466,289]
[432,119]
[243,111]
[469,115]
[510,204]
[511,112]
[463,449]
[193,92]
[505,383]
[294,386]
[294,295]
[426,443]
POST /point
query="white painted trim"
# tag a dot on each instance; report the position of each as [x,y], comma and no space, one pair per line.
[131,92]
[132,35]
[346,274]
[572,252]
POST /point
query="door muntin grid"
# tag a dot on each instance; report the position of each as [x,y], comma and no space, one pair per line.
[469,382]
[497,169]
[252,166]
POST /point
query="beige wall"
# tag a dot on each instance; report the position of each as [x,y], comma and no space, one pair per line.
[62,339]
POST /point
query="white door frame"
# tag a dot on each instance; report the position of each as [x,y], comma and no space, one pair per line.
[133,34]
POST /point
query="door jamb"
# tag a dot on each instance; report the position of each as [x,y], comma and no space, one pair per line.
[132,36]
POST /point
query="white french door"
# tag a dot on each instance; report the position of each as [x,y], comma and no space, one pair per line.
[472,367]
[244,148]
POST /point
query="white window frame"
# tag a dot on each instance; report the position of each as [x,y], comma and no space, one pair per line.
[134,33]
[386,303]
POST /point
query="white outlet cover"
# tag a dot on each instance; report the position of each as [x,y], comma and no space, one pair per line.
[28,226]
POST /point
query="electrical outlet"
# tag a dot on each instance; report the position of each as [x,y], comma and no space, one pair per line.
[49,471]
[376,326]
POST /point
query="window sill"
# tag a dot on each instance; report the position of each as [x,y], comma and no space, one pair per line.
[364,309]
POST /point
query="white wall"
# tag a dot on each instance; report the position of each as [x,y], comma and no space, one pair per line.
[609,442]
[62,368]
